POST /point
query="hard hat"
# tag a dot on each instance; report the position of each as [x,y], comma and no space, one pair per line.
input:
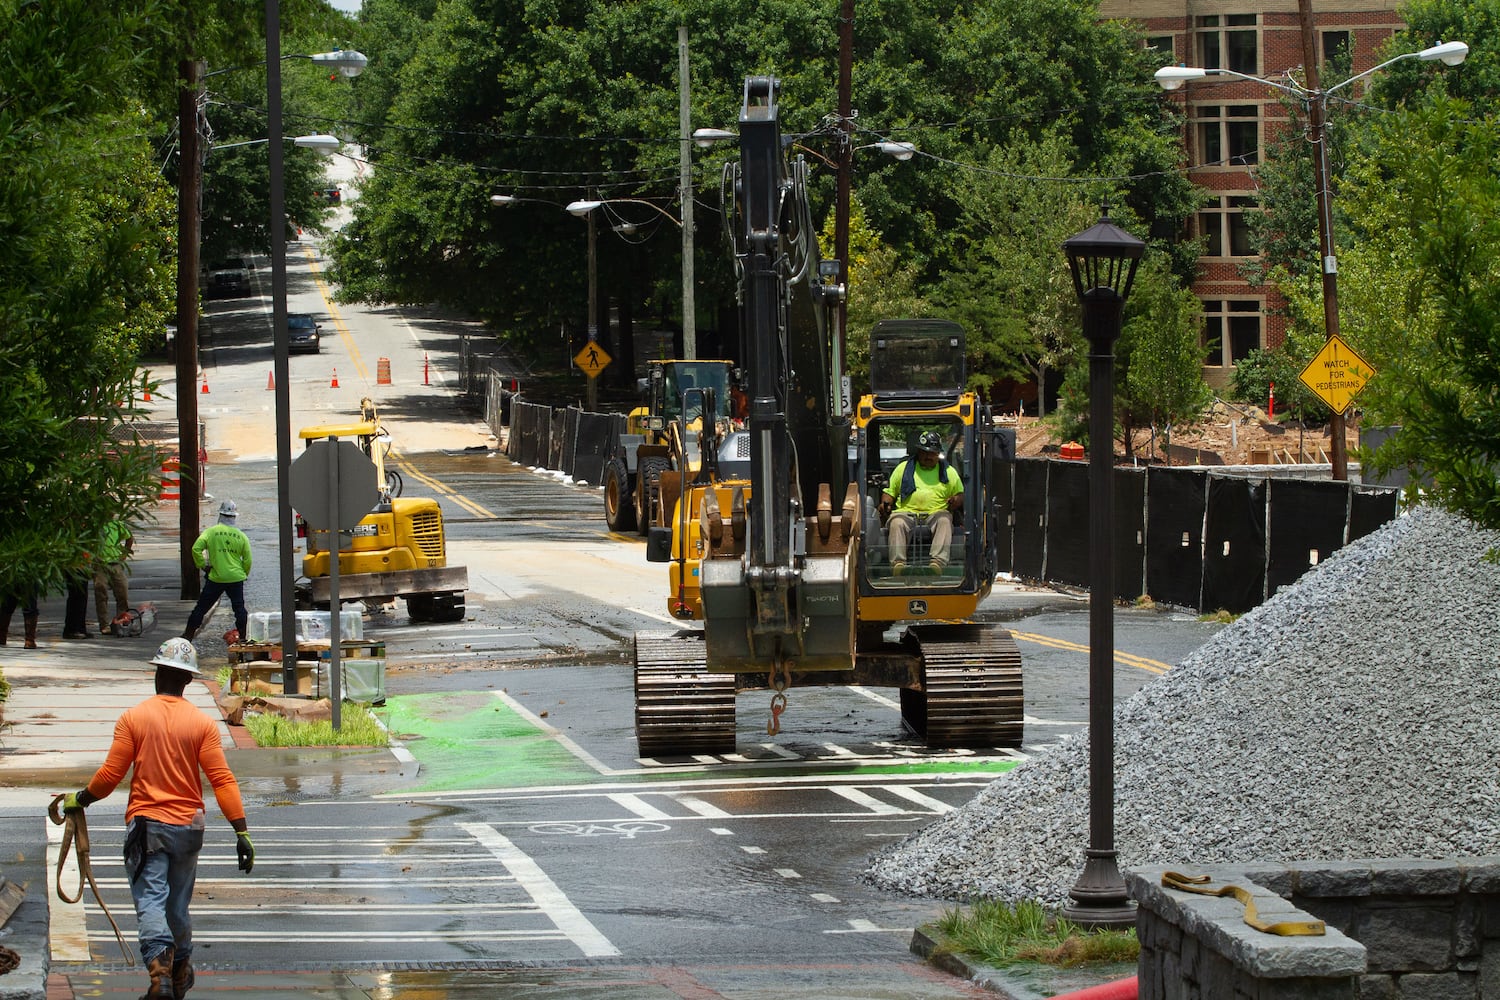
[179,653]
[228,511]
[929,441]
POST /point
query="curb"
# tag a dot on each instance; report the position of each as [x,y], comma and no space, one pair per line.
[26,931]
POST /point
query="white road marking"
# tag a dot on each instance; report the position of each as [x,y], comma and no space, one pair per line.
[748,849]
[912,795]
[553,902]
[698,806]
[719,831]
[787,872]
[869,801]
[876,696]
[556,734]
[638,806]
[823,897]
[864,927]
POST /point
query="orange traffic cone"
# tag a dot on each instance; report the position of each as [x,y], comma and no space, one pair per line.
[335,383]
[147,397]
[270,380]
[205,383]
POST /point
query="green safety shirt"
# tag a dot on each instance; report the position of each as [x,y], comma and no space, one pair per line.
[112,547]
[226,552]
[929,494]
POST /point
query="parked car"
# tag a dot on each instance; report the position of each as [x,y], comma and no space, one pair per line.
[302,333]
[229,278]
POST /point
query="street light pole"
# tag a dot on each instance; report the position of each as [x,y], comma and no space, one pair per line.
[1317,129]
[1103,260]
[281,349]
[189,187]
[593,386]
[685,192]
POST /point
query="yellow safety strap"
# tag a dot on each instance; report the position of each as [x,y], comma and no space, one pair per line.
[1285,928]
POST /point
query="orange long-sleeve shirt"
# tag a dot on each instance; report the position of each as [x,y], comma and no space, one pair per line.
[168,740]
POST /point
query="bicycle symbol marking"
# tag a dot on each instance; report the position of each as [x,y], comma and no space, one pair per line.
[627,829]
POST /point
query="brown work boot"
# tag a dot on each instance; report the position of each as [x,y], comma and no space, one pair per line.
[160,971]
[30,623]
[182,976]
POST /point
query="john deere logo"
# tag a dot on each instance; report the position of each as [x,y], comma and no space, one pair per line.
[916,608]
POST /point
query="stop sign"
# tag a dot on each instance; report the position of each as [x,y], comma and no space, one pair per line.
[333,480]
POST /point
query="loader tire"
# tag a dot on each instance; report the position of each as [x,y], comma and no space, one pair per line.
[619,505]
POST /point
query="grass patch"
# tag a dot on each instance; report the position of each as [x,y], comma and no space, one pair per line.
[999,934]
[1220,616]
[4,687]
[358,729]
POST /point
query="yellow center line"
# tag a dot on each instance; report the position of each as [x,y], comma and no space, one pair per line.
[1121,657]
[334,315]
[441,488]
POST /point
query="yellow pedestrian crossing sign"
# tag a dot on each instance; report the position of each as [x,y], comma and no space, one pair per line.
[1336,374]
[592,359]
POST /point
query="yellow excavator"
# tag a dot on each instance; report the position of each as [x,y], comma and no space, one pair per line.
[397,550]
[780,551]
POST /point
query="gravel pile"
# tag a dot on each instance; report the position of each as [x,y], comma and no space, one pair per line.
[1353,715]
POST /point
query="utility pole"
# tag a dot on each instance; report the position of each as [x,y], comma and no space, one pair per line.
[1317,131]
[685,191]
[845,183]
[189,187]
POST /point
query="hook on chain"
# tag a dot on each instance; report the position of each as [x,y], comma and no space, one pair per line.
[778,698]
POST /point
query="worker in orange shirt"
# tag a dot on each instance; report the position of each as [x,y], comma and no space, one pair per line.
[168,741]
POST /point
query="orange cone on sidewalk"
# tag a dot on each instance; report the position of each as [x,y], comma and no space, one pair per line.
[205,383]
[147,397]
[335,383]
[270,380]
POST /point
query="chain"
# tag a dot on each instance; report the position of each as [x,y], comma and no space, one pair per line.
[778,697]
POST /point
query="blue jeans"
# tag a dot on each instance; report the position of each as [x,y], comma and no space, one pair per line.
[163,887]
[212,591]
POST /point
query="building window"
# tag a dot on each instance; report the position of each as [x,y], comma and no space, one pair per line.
[1224,227]
[1232,328]
[1229,41]
[1228,134]
[1337,47]
[1163,44]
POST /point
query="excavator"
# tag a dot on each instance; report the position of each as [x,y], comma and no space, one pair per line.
[775,542]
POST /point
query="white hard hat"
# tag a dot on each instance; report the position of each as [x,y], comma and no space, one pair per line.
[228,511]
[179,653]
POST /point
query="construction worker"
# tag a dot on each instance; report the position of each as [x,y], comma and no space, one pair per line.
[116,545]
[168,741]
[924,491]
[225,550]
[26,601]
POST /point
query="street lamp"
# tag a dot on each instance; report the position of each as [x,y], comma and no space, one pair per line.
[1315,99]
[320,143]
[1103,259]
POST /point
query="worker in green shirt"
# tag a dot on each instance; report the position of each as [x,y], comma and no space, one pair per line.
[115,545]
[225,550]
[924,490]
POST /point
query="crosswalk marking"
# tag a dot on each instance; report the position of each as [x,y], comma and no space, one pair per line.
[868,801]
[912,795]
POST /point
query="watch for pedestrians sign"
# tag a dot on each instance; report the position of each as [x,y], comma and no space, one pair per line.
[592,359]
[1337,374]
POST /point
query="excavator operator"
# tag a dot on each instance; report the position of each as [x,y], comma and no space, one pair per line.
[924,492]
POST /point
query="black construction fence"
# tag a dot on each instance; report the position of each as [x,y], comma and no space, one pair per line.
[1210,540]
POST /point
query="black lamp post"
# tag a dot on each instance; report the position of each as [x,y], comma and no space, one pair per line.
[1103,259]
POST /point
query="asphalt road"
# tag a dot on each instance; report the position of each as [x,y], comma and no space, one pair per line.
[514,832]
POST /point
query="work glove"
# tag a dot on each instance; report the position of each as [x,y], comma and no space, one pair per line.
[71,803]
[245,850]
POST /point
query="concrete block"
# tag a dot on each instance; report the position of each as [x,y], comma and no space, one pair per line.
[1438,986]
[1334,878]
[1408,938]
[1481,874]
[1415,877]
[1377,986]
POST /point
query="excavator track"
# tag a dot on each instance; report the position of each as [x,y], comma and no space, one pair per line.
[971,680]
[680,708]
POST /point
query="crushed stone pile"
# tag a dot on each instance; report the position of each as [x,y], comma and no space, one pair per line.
[1353,715]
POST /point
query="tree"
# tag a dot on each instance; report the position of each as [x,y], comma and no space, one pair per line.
[881,286]
[1429,188]
[85,279]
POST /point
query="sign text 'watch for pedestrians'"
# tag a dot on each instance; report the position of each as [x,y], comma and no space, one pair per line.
[1336,374]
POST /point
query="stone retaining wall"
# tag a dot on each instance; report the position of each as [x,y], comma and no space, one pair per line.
[1398,929]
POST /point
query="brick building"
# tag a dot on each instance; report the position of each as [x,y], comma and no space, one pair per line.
[1228,122]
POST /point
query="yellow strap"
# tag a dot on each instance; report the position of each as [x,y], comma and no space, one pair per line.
[1284,928]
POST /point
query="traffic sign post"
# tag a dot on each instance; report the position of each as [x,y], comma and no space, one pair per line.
[333,486]
[1336,374]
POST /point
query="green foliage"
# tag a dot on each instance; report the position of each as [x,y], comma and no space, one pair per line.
[1255,374]
[578,98]
[85,279]
[357,728]
[1431,190]
[1002,934]
[881,286]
